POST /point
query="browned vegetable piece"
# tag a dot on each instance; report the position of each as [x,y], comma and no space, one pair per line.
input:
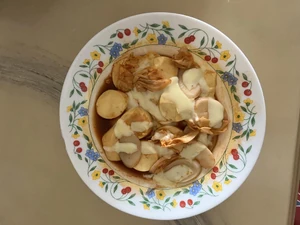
[111,104]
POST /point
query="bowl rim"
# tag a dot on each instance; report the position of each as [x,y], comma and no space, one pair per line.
[259,143]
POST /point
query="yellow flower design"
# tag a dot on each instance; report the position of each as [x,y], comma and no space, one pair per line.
[225,55]
[217,186]
[151,38]
[101,184]
[75,135]
[136,31]
[239,116]
[160,195]
[248,101]
[165,23]
[82,121]
[69,108]
[219,44]
[227,181]
[95,55]
[96,175]
[174,203]
[252,133]
[146,207]
[86,61]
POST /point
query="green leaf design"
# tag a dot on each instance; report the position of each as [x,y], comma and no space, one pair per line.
[131,203]
[244,109]
[253,121]
[79,128]
[101,50]
[240,147]
[229,63]
[83,66]
[131,196]
[70,117]
[139,31]
[233,89]
[141,191]
[106,188]
[247,135]
[95,75]
[84,101]
[200,196]
[113,35]
[93,168]
[110,59]
[116,177]
[71,93]
[89,145]
[231,176]
[78,92]
[83,75]
[170,29]
[212,41]
[144,34]
[115,188]
[202,41]
[86,160]
[173,39]
[168,199]
[79,156]
[248,149]
[143,202]
[182,26]
[126,46]
[236,137]
[86,137]
[167,32]
[202,180]
[177,193]
[197,203]
[245,76]
[244,133]
[73,105]
[221,164]
[185,191]
[181,35]
[134,42]
[237,98]
[109,43]
[210,190]
[156,207]
[77,106]
[237,72]
[219,71]
[101,160]
[154,25]
[232,166]
[146,199]
[202,53]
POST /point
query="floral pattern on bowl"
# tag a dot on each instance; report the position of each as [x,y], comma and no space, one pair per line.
[248,125]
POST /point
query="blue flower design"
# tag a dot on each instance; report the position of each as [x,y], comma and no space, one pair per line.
[226,76]
[92,155]
[195,188]
[237,127]
[232,80]
[115,50]
[83,111]
[150,193]
[162,39]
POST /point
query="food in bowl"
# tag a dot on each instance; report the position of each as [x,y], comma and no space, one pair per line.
[160,118]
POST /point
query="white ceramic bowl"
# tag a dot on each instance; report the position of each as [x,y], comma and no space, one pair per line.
[93,64]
